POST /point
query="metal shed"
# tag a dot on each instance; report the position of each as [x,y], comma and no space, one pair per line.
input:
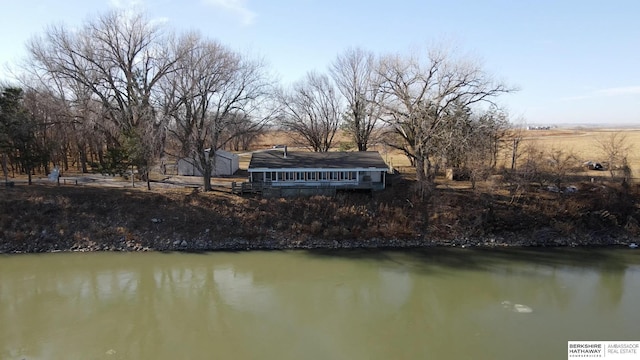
[226,164]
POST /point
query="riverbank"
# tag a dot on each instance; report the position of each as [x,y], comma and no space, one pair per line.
[46,218]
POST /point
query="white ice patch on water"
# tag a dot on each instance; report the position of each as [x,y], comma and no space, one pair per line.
[519,308]
[523,309]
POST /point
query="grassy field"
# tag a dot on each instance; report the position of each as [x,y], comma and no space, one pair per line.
[585,144]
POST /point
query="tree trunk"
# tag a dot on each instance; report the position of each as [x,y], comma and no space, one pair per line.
[209,166]
[101,157]
[514,154]
[206,174]
[83,159]
[4,168]
[207,179]
[420,167]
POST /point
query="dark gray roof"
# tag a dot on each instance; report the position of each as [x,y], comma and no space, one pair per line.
[274,159]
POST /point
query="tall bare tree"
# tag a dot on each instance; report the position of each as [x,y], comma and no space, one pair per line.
[120,57]
[76,109]
[420,95]
[211,88]
[311,109]
[354,72]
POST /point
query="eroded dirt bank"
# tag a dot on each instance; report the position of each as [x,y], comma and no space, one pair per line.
[44,218]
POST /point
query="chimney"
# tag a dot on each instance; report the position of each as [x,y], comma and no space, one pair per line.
[285,151]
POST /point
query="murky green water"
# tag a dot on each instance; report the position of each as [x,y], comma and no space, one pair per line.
[436,304]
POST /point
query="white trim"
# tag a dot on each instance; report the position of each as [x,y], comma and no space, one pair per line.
[314,169]
[315,177]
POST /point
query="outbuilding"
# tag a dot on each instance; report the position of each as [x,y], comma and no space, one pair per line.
[226,164]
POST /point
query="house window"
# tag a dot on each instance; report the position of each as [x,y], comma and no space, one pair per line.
[324,175]
[299,176]
[280,176]
[347,175]
[272,176]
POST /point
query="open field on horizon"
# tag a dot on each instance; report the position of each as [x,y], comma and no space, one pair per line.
[584,144]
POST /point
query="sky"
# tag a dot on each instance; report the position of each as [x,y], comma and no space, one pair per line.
[574,62]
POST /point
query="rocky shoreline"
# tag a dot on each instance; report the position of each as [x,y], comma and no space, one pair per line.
[237,244]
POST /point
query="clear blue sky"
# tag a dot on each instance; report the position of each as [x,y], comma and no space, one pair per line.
[574,61]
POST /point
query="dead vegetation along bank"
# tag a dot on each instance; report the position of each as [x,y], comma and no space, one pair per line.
[48,218]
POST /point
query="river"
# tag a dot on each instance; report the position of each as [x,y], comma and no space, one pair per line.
[413,304]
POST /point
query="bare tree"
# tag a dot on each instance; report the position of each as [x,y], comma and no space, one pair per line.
[456,137]
[615,148]
[76,130]
[514,136]
[559,163]
[311,110]
[211,88]
[489,131]
[120,57]
[241,132]
[472,142]
[420,96]
[354,73]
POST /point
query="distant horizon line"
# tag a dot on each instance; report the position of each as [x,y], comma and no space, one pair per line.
[620,125]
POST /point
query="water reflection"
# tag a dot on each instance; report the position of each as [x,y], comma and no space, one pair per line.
[314,305]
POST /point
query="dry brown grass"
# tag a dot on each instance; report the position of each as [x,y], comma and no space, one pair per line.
[583,143]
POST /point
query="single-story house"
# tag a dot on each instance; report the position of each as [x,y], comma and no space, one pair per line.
[340,170]
[226,164]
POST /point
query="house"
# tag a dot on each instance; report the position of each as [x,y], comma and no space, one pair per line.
[336,170]
[226,164]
